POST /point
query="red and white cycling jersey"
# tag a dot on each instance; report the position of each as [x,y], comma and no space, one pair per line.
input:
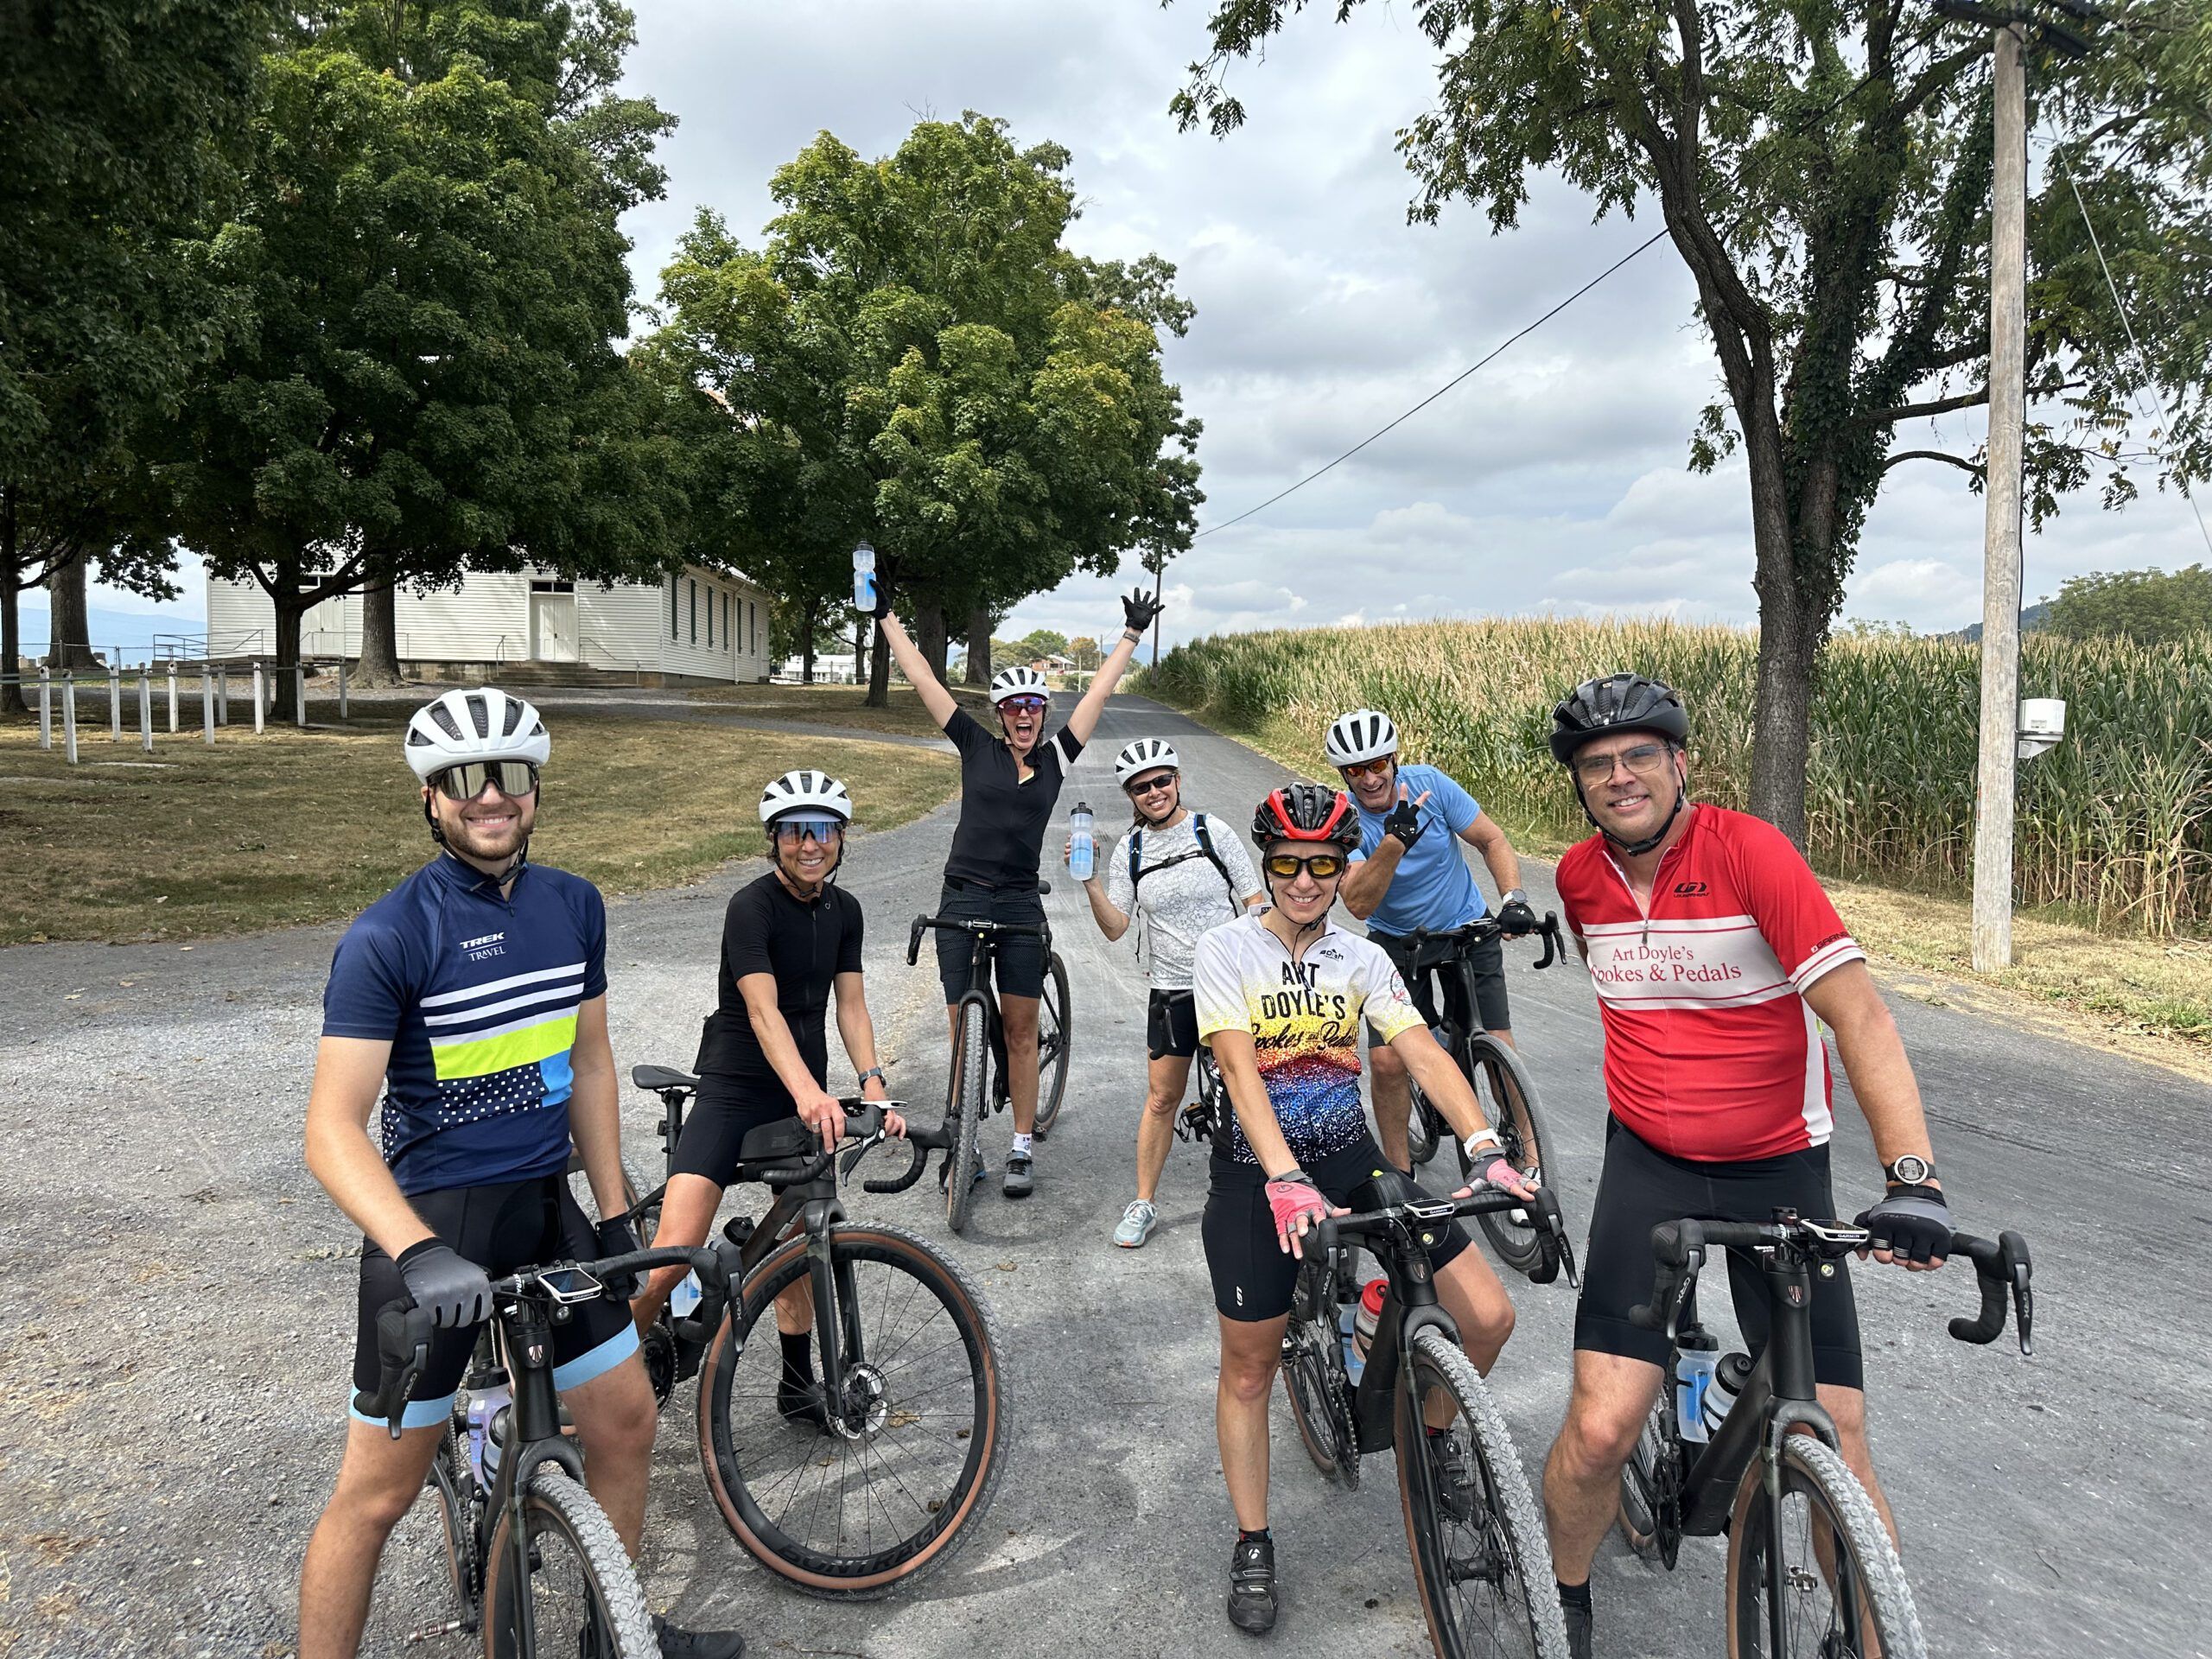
[1711,1052]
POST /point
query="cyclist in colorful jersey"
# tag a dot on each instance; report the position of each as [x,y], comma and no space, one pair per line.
[1009,781]
[1179,874]
[1281,995]
[791,942]
[474,993]
[1408,873]
[1716,957]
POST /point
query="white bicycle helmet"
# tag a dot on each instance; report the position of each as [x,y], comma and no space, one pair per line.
[1020,681]
[480,724]
[1143,755]
[1363,734]
[805,791]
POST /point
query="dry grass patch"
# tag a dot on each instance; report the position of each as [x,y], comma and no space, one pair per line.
[837,705]
[292,827]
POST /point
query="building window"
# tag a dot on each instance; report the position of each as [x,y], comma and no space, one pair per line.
[546,585]
[728,638]
[671,607]
[753,625]
[710,620]
[694,612]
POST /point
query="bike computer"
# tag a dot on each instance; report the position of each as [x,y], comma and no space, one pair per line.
[566,1285]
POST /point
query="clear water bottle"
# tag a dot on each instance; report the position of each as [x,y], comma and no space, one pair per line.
[1694,1368]
[484,1427]
[683,1300]
[1728,1379]
[864,577]
[1081,850]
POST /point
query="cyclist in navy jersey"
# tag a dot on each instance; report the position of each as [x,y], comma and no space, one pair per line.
[474,993]
[1010,781]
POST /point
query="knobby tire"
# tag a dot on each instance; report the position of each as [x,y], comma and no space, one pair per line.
[965,1109]
[1053,1044]
[557,1508]
[1508,1094]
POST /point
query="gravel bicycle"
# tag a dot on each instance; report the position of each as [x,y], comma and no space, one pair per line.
[906,1439]
[1812,1574]
[1481,1558]
[534,1560]
[978,1084]
[1498,1076]
[1197,1121]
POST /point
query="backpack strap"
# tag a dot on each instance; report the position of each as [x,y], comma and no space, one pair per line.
[1136,857]
[1202,826]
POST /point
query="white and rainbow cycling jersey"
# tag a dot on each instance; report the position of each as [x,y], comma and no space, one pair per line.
[1304,1017]
[477,994]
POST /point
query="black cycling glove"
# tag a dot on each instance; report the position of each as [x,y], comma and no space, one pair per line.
[882,598]
[1515,919]
[453,1292]
[1139,609]
[617,1237]
[1913,1224]
[1403,821]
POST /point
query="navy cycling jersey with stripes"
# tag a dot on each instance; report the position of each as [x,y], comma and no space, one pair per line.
[477,994]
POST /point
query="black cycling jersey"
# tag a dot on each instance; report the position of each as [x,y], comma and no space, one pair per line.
[1002,820]
[805,944]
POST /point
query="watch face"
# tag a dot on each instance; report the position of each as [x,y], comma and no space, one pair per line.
[1910,1170]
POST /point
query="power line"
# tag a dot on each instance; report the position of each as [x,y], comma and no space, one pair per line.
[1499,351]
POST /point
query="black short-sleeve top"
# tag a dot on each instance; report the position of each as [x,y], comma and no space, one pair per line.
[1002,819]
[805,944]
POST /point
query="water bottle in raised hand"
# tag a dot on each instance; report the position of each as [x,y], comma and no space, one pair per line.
[864,578]
[1080,847]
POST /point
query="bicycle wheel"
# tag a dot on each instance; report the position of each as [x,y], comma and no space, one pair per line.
[582,1596]
[1641,1497]
[916,1446]
[455,1482]
[964,1109]
[1314,1377]
[1481,1560]
[1508,1100]
[1842,1584]
[1424,1125]
[1052,1030]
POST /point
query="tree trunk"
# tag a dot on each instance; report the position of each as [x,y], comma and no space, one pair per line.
[69,643]
[979,645]
[1790,639]
[879,678]
[380,663]
[929,636]
[860,649]
[12,701]
[291,612]
[809,617]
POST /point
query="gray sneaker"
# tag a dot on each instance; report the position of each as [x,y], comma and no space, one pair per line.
[1018,1183]
[1137,1222]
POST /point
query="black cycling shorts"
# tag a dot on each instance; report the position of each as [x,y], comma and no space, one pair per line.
[500,1228]
[1171,1025]
[1020,957]
[722,1114]
[1640,1186]
[1485,960]
[1254,1277]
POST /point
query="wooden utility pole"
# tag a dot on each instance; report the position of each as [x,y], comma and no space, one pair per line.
[2001,590]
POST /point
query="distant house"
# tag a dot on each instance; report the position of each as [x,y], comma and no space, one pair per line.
[702,626]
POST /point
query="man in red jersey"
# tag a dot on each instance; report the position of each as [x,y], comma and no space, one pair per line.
[1716,957]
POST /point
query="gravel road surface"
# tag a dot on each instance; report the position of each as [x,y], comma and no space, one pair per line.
[174,1344]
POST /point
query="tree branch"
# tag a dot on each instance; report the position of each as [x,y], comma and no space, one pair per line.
[1913,411]
[1959,461]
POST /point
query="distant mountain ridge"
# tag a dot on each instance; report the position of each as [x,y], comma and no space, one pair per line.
[2033,618]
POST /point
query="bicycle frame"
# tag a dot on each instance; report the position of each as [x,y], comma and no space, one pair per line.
[524,1345]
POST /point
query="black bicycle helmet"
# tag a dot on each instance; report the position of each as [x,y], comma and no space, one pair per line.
[1620,703]
[1312,813]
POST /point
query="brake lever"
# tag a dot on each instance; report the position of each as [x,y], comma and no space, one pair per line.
[1554,951]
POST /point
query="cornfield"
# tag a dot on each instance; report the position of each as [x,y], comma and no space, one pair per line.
[2115,824]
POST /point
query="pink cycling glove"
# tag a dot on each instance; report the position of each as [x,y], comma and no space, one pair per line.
[1291,1196]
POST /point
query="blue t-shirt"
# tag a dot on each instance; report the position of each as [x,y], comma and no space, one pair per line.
[477,995]
[1432,888]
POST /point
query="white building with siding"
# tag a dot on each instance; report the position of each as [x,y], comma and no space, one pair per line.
[702,625]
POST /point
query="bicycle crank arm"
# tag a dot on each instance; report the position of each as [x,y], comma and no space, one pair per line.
[431,1633]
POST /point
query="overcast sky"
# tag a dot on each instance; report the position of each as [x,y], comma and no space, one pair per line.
[1552,479]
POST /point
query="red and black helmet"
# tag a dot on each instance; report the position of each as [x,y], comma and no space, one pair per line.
[1307,812]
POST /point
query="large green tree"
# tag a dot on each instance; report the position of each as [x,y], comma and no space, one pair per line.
[916,359]
[1822,170]
[119,121]
[2152,606]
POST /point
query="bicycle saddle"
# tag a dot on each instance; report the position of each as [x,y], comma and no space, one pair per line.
[657,1077]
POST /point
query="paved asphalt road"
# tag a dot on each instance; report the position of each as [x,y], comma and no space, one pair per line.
[173,1349]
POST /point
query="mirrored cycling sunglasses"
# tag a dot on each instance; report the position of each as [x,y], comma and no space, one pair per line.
[512,778]
[1368,768]
[820,830]
[1033,705]
[1322,867]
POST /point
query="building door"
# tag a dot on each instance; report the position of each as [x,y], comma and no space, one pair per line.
[553,623]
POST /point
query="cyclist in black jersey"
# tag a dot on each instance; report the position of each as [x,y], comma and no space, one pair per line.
[474,995]
[791,942]
[1010,781]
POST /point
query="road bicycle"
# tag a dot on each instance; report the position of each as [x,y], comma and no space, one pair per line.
[1498,1074]
[1481,1560]
[906,1434]
[1812,1574]
[978,1084]
[535,1562]
[1197,1121]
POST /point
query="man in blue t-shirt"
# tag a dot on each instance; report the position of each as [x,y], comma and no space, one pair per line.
[474,994]
[1408,874]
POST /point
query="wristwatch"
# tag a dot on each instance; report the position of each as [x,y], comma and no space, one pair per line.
[1515,896]
[876,1071]
[1911,1170]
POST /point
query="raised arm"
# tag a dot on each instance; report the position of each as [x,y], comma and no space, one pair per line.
[1137,612]
[908,656]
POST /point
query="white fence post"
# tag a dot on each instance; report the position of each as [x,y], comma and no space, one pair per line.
[69,713]
[207,707]
[222,697]
[45,708]
[115,702]
[146,712]
[260,700]
[172,699]
[300,695]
